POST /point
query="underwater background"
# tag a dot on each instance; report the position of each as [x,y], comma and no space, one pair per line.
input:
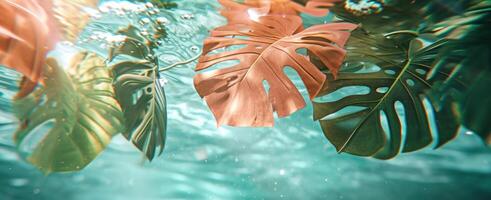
[293,160]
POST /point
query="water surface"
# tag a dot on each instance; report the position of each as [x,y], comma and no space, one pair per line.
[293,160]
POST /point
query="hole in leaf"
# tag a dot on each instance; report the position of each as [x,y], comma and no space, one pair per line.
[342,93]
[401,115]
[382,90]
[410,82]
[390,72]
[301,51]
[384,122]
[368,68]
[344,111]
[431,119]
[319,39]
[297,82]
[421,71]
[266,86]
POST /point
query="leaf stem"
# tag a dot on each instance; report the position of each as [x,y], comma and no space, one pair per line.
[180,63]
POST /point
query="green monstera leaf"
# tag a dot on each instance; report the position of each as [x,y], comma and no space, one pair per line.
[417,77]
[75,113]
[391,112]
[140,92]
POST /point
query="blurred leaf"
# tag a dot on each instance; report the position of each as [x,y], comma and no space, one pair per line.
[72,16]
[468,59]
[80,105]
[27,33]
[250,10]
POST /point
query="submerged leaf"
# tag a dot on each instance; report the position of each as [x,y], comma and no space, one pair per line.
[236,95]
[140,92]
[72,16]
[251,10]
[76,112]
[394,110]
[468,59]
[396,88]
[27,33]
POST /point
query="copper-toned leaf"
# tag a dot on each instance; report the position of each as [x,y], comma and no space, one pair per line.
[26,35]
[72,16]
[253,9]
[236,95]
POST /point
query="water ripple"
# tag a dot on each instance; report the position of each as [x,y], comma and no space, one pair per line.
[293,160]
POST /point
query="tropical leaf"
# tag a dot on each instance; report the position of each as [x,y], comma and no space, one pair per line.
[75,112]
[140,92]
[395,110]
[27,33]
[236,95]
[394,90]
[72,16]
[467,59]
[253,9]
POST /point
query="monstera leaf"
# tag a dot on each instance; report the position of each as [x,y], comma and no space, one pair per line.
[253,9]
[75,113]
[393,107]
[467,59]
[27,33]
[140,92]
[72,16]
[391,112]
[236,95]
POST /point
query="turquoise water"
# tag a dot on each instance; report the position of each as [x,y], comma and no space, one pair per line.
[293,160]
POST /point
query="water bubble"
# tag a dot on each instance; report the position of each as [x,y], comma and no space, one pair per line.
[19,182]
[162,20]
[195,48]
[144,21]
[163,81]
[149,5]
[187,16]
[36,191]
[201,154]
